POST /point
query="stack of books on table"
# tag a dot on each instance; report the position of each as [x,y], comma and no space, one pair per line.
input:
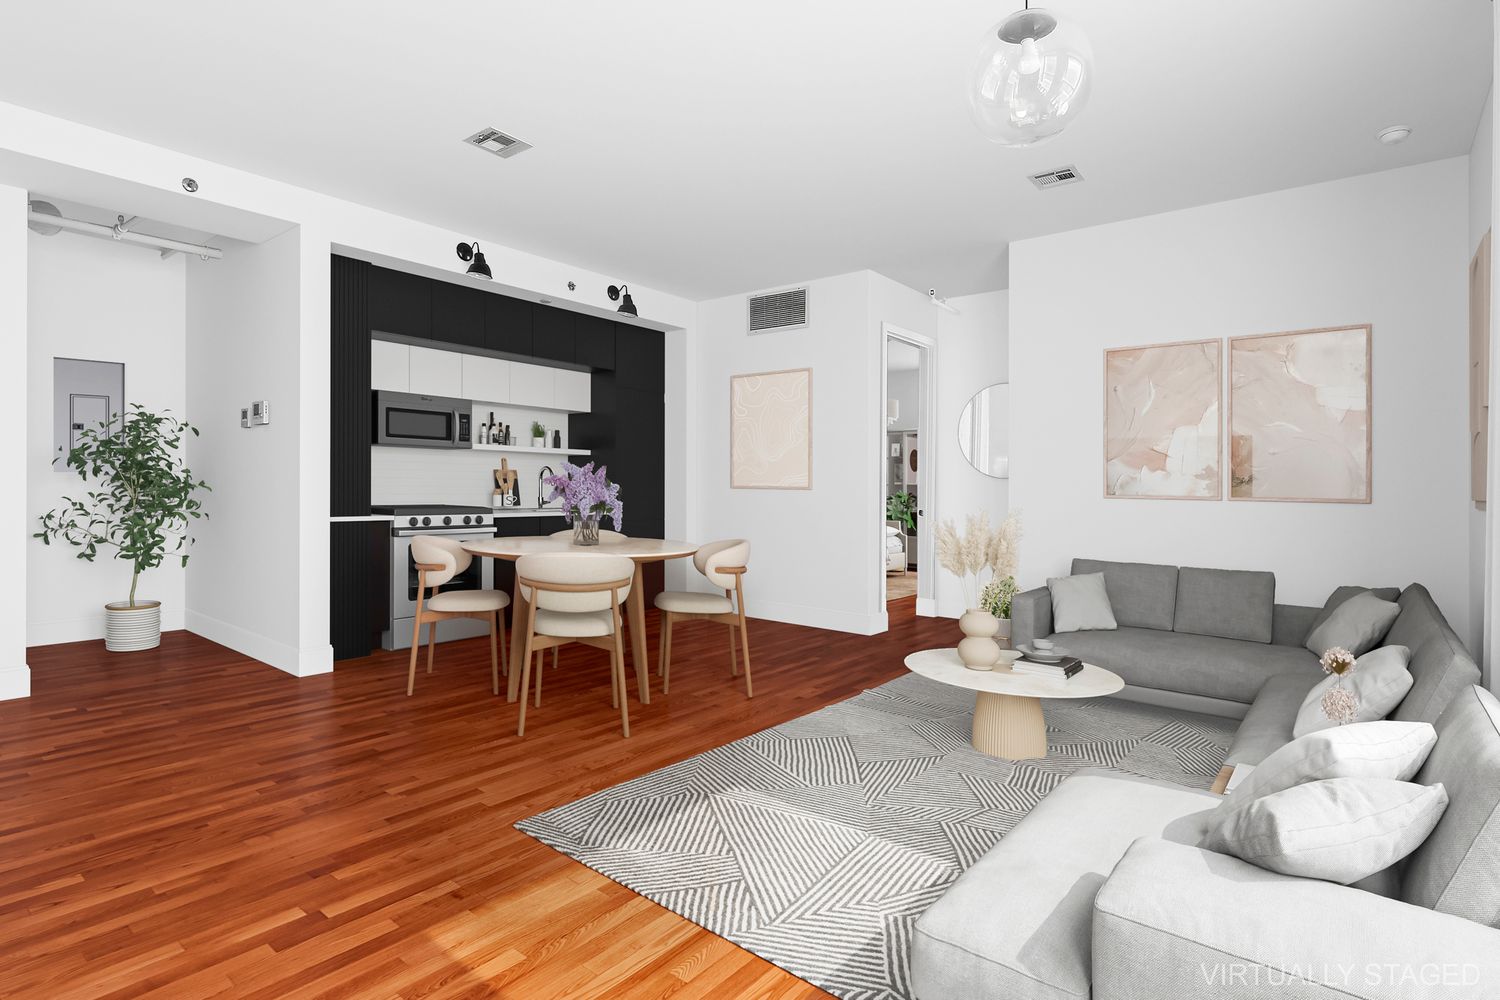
[1061,670]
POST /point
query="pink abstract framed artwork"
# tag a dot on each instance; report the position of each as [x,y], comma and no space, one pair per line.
[1299,416]
[1162,423]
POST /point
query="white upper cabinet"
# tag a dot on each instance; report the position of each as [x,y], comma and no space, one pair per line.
[436,373]
[532,385]
[486,380]
[390,366]
[570,390]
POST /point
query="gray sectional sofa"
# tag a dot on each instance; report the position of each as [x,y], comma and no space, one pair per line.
[1101,890]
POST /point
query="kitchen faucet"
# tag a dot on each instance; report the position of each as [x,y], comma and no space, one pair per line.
[541,476]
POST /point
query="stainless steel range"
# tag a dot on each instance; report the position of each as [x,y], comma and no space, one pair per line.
[433,519]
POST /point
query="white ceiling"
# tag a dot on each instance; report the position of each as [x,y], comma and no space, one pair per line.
[706,150]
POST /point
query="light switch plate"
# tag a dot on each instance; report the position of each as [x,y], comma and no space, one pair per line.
[244,416]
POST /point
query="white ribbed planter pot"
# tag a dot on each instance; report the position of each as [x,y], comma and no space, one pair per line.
[127,628]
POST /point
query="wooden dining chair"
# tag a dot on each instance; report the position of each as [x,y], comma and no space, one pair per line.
[723,564]
[574,597]
[438,561]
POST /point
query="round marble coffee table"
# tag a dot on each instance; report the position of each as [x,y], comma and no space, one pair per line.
[1008,720]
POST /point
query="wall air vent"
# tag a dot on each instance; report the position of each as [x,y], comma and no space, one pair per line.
[492,140]
[773,311]
[1057,178]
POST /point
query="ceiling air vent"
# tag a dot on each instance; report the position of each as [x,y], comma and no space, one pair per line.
[1057,178]
[778,311]
[492,140]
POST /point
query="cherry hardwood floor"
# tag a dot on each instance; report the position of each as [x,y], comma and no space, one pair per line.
[187,823]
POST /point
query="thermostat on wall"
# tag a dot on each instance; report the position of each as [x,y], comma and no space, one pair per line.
[258,412]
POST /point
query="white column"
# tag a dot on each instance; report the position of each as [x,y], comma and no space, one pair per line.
[15,676]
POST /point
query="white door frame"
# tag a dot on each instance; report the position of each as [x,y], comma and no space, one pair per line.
[927,501]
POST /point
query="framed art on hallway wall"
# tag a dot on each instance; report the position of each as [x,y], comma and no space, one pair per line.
[1161,421]
[770,430]
[1299,416]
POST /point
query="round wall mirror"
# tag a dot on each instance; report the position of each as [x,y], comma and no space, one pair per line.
[984,430]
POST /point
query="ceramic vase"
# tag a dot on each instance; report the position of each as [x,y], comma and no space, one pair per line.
[129,627]
[978,649]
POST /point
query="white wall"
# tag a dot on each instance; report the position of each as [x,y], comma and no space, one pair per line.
[96,300]
[15,677]
[65,158]
[1481,199]
[973,353]
[243,333]
[813,555]
[1388,249]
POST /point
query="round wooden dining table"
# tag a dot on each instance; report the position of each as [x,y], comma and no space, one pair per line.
[638,550]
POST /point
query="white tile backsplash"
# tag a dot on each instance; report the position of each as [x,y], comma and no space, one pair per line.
[441,475]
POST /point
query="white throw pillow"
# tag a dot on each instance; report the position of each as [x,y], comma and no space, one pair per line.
[1080,603]
[1379,680]
[1340,830]
[1391,750]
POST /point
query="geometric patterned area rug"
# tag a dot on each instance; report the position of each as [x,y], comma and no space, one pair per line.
[817,844]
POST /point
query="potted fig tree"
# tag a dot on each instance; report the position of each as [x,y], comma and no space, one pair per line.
[142,501]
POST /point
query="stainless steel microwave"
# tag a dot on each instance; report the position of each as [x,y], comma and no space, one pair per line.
[411,420]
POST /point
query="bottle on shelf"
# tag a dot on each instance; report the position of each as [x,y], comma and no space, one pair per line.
[491,428]
[481,433]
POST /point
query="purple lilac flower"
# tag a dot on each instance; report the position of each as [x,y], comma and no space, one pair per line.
[583,489]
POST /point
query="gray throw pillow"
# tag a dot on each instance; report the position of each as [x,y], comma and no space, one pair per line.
[1342,594]
[1391,750]
[1379,680]
[1080,603]
[1340,830]
[1358,625]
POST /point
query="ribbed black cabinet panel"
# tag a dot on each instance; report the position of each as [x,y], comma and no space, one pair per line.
[640,358]
[400,302]
[507,324]
[552,334]
[349,399]
[458,314]
[638,460]
[594,342]
[359,604]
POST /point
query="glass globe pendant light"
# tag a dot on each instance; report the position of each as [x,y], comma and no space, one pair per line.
[1032,78]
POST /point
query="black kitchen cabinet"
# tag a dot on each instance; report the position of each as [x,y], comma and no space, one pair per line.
[458,314]
[507,324]
[552,334]
[640,358]
[358,595]
[400,303]
[350,413]
[594,342]
[639,455]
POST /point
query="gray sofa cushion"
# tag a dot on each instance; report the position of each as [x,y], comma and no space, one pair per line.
[1357,625]
[1292,623]
[1440,665]
[1342,594]
[1143,595]
[1204,665]
[1268,725]
[1231,603]
[1458,869]
[1017,923]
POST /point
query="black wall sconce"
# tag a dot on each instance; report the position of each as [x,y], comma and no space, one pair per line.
[471,253]
[621,294]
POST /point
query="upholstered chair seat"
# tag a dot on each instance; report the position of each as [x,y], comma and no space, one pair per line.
[439,559]
[574,597]
[722,564]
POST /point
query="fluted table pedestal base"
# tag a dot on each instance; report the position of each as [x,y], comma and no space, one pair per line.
[1009,727]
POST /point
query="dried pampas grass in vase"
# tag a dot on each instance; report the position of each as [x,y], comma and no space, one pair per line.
[968,556]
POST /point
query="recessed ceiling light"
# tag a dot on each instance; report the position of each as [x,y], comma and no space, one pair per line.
[1393,135]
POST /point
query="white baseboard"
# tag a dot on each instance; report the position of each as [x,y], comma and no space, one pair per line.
[15,682]
[82,629]
[801,614]
[282,656]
